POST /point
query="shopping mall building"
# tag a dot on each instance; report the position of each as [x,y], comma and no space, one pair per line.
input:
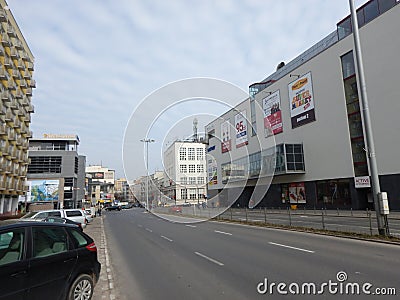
[304,123]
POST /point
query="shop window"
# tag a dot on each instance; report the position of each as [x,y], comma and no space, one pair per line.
[334,193]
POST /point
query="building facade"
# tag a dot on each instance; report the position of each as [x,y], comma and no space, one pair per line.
[101,185]
[185,173]
[56,172]
[303,124]
[16,83]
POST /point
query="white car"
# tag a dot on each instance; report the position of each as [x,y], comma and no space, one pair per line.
[74,214]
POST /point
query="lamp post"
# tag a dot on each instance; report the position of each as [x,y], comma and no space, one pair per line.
[376,190]
[147,141]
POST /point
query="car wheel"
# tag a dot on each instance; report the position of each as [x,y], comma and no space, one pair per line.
[81,288]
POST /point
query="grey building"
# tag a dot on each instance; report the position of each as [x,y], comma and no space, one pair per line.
[56,171]
[299,139]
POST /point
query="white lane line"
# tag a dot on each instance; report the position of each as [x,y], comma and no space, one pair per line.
[140,225]
[193,226]
[227,233]
[294,248]
[164,237]
[209,259]
[149,230]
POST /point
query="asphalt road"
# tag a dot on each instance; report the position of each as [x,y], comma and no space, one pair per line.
[157,259]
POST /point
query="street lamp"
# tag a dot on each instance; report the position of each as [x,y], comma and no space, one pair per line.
[383,226]
[147,141]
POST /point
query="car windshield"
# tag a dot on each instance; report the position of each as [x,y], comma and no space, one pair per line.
[29,215]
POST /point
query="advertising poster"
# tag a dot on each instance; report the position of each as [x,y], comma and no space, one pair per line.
[272,114]
[297,193]
[212,170]
[226,137]
[241,129]
[44,190]
[301,101]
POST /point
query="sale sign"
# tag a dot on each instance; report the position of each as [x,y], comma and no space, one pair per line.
[241,129]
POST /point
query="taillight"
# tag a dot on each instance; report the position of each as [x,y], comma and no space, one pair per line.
[92,247]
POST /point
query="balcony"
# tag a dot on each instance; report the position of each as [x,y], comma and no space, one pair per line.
[5,40]
[18,44]
[28,92]
[8,63]
[17,123]
[21,64]
[11,31]
[3,130]
[30,66]
[3,73]
[15,73]
[22,84]
[3,15]
[19,94]
[27,75]
[31,108]
[9,115]
[14,53]
[5,96]
[32,84]
[11,84]
[2,51]
[14,104]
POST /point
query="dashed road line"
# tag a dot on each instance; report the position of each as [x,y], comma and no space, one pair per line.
[209,259]
[149,230]
[290,247]
[168,239]
[193,226]
[222,232]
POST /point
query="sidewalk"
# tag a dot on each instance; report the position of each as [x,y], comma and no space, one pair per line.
[104,287]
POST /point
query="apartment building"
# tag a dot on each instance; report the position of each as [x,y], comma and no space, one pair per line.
[16,84]
[102,184]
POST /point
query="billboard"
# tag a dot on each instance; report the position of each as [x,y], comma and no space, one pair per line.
[212,170]
[301,99]
[241,129]
[272,114]
[98,175]
[297,193]
[44,190]
[226,137]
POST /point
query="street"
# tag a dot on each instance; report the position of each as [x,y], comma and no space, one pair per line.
[157,259]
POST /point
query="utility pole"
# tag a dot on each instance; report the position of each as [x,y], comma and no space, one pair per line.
[147,141]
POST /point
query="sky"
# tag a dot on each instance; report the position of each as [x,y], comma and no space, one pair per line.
[96,61]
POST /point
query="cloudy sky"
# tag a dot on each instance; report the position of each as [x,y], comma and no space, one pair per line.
[95,61]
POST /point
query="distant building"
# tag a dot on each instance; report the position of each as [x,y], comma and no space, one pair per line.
[56,172]
[122,190]
[185,173]
[102,184]
[16,83]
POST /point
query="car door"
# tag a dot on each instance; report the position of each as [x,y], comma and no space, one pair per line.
[53,259]
[13,264]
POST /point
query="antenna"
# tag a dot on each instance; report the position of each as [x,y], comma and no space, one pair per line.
[195,122]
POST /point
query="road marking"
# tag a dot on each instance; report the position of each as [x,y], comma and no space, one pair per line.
[290,247]
[149,230]
[193,226]
[210,259]
[164,237]
[227,233]
[140,225]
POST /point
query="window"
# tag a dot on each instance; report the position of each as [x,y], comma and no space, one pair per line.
[184,194]
[192,180]
[76,168]
[73,213]
[191,154]
[45,164]
[11,246]
[49,241]
[200,194]
[183,168]
[200,153]
[344,28]
[183,180]
[253,116]
[294,157]
[255,164]
[348,67]
[200,180]
[192,194]
[182,153]
[200,168]
[371,11]
[79,239]
[192,168]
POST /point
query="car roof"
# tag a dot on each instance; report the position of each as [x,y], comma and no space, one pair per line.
[16,223]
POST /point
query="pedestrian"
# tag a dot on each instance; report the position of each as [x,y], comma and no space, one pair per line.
[99,211]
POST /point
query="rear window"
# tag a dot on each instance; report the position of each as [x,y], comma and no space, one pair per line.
[73,213]
[54,213]
[79,239]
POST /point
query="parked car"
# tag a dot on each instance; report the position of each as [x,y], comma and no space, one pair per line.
[175,209]
[43,260]
[63,221]
[76,215]
[127,206]
[113,207]
[88,216]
